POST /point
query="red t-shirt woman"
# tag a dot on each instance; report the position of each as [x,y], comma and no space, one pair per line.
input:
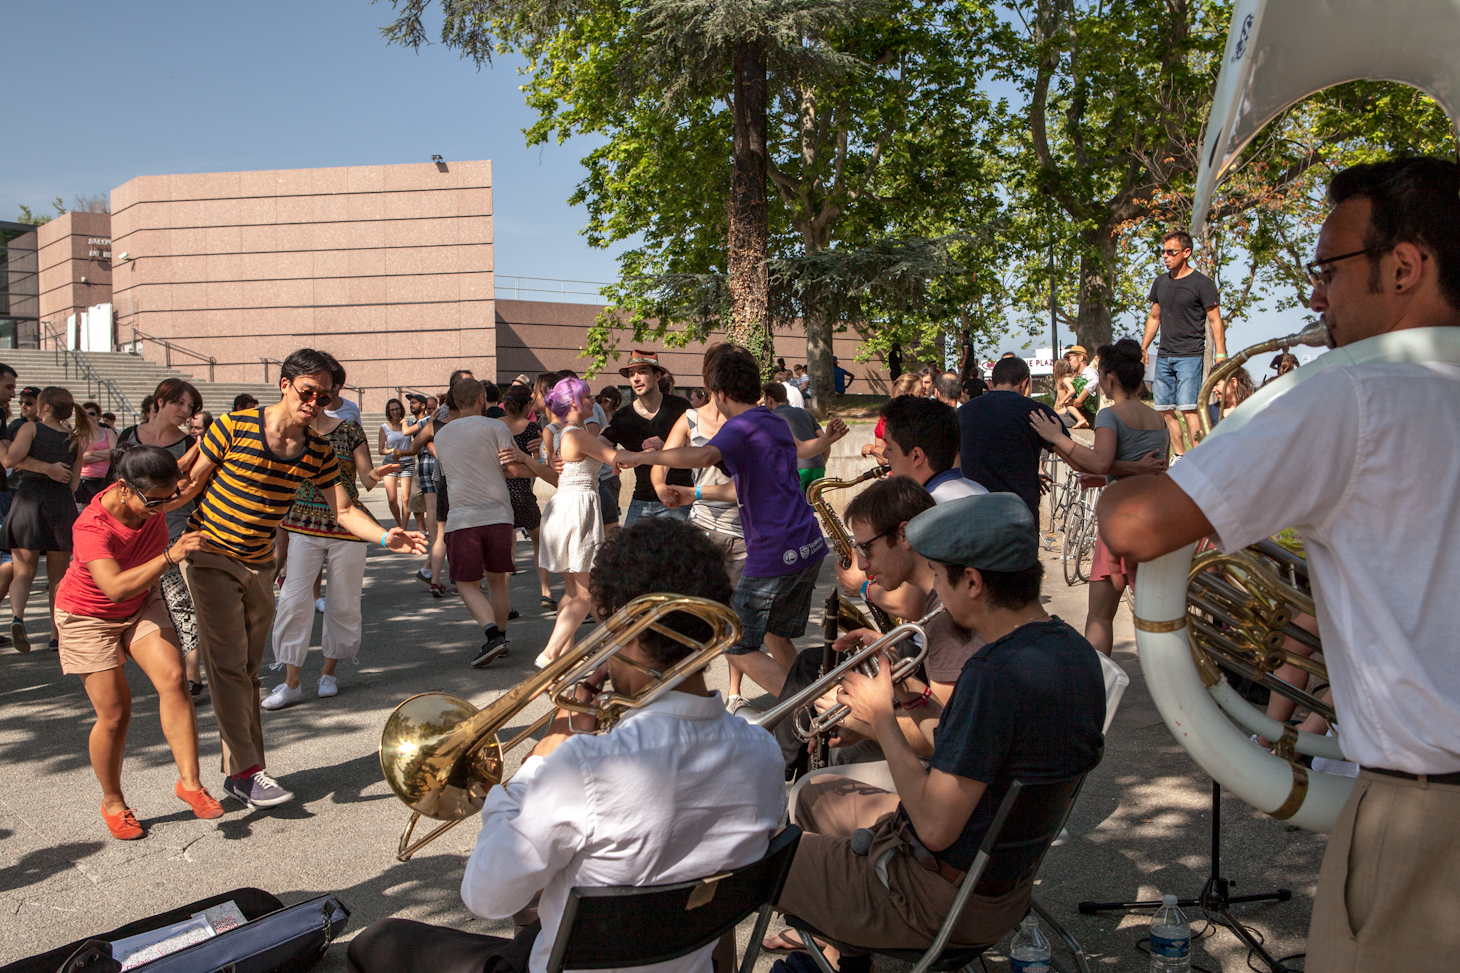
[108,608]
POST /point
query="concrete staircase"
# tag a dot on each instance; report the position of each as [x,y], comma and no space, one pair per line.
[134,375]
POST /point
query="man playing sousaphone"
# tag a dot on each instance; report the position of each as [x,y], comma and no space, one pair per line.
[1362,460]
[679,789]
[1028,706]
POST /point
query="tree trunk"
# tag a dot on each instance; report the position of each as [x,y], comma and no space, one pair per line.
[1097,260]
[749,235]
[819,331]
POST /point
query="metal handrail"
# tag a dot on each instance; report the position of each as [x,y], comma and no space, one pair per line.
[266,367]
[168,347]
[359,394]
[116,399]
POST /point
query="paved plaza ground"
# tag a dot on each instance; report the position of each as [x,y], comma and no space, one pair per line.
[1140,828]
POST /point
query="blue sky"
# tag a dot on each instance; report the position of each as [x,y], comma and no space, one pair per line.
[99,93]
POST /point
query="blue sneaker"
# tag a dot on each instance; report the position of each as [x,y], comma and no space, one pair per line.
[260,790]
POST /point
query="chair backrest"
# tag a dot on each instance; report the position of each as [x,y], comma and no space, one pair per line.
[623,926]
[1028,820]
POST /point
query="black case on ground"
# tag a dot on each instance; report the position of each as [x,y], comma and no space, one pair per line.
[276,939]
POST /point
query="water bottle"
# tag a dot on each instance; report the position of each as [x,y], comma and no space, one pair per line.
[1170,939]
[1029,952]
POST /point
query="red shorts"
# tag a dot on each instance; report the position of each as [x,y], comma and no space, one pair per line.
[1103,564]
[476,551]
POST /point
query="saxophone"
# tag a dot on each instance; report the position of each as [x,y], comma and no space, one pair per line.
[848,614]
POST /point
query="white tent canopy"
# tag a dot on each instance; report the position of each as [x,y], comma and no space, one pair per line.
[1281,51]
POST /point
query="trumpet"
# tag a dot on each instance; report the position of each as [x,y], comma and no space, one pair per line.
[864,660]
[441,755]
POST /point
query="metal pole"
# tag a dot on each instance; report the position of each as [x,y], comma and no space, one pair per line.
[1054,335]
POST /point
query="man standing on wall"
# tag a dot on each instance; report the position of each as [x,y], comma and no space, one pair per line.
[644,424]
[1183,304]
[248,468]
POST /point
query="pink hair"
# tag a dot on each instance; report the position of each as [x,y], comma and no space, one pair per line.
[565,395]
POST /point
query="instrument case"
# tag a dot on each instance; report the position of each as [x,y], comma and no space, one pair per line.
[276,939]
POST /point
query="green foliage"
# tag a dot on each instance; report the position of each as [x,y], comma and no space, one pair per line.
[39,219]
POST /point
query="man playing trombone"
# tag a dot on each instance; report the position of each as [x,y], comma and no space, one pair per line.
[678,789]
[1028,706]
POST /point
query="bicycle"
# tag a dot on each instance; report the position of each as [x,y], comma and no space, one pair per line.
[1077,547]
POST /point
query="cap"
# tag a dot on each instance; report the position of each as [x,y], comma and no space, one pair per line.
[991,532]
[650,358]
[31,391]
[1077,349]
[417,396]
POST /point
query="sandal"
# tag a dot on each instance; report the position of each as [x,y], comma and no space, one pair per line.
[787,937]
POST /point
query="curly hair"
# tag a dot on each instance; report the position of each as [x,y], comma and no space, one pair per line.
[656,555]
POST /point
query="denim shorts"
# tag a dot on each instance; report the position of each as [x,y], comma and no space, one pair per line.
[1178,383]
[773,606]
[645,509]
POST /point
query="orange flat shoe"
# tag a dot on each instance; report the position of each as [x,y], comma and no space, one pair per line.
[123,826]
[202,803]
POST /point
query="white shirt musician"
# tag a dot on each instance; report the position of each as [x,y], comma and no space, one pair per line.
[677,790]
[1364,461]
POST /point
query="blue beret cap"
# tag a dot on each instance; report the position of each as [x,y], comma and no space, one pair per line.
[991,532]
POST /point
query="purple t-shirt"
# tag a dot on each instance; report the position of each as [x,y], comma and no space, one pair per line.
[782,535]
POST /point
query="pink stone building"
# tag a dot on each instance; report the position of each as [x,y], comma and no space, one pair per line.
[389,268]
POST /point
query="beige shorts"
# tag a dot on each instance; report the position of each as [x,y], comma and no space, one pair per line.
[418,503]
[89,644]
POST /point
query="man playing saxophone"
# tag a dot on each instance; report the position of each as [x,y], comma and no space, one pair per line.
[678,789]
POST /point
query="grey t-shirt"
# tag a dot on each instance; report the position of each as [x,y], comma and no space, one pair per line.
[1131,443]
[466,449]
[803,426]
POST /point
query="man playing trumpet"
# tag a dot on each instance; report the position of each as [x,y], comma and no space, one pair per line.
[1028,706]
[677,790]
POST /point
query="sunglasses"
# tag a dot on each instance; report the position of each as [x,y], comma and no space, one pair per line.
[307,396]
[149,502]
[1172,253]
[866,546]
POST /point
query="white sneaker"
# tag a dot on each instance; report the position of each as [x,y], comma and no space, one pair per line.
[319,605]
[281,696]
[328,686]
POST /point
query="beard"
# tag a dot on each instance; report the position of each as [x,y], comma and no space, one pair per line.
[959,632]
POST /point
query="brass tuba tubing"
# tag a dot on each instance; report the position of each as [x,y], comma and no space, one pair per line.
[900,671]
[1314,335]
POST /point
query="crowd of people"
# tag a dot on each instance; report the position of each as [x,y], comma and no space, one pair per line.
[164,542]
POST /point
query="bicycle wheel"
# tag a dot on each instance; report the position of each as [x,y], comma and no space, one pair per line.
[1085,551]
[1070,544]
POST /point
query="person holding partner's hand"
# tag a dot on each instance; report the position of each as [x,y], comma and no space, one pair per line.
[247,471]
[109,607]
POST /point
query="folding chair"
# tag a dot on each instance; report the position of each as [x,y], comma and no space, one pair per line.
[625,925]
[1028,820]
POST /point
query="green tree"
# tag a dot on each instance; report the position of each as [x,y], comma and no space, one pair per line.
[39,219]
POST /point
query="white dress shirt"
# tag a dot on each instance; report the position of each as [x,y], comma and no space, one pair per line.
[793,395]
[1362,461]
[678,790]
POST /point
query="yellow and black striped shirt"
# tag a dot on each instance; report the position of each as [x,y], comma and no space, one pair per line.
[252,489]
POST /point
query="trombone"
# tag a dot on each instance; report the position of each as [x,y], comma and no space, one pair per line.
[865,661]
[441,755]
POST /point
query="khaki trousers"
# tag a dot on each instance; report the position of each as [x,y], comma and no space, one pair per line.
[234,602]
[839,892]
[1389,890]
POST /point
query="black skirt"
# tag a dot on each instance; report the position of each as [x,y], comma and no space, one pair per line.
[40,517]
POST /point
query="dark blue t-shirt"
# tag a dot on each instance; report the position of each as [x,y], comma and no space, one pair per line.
[1000,450]
[782,535]
[839,379]
[1028,707]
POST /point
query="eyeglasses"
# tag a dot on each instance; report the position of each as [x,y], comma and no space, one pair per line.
[1172,253]
[149,502]
[866,546]
[307,396]
[1320,272]
[94,415]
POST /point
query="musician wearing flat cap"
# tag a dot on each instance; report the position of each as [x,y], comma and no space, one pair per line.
[1362,460]
[1029,706]
[679,789]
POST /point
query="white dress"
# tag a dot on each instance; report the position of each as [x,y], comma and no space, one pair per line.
[572,523]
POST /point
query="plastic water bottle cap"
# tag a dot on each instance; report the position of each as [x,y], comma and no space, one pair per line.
[1169,901]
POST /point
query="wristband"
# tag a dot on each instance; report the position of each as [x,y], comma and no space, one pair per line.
[864,588]
[383,536]
[698,495]
[167,556]
[922,699]
[1218,357]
